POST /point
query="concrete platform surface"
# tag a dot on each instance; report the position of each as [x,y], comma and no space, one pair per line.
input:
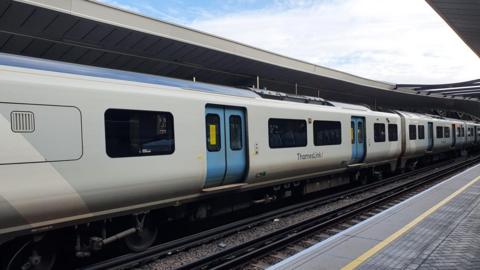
[436,229]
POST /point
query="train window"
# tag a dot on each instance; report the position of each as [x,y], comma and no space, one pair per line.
[283,133]
[412,131]
[131,133]
[470,132]
[461,132]
[360,132]
[446,132]
[439,132]
[421,132]
[327,133]
[235,132]
[392,132]
[214,140]
[379,132]
[352,132]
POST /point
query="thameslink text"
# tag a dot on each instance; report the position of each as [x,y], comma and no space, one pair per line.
[314,155]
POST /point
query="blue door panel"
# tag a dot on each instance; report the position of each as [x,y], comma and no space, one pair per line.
[226,156]
[358,145]
[216,163]
[361,139]
[235,145]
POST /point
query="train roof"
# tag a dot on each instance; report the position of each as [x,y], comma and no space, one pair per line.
[98,72]
[77,69]
[430,117]
[349,106]
[91,71]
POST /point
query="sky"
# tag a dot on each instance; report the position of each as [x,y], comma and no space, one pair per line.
[387,40]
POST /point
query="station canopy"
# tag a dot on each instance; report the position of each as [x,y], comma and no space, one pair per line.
[92,33]
[463,16]
[466,90]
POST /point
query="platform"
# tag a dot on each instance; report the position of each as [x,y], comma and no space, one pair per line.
[436,229]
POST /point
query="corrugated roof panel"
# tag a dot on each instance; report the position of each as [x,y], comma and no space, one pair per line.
[37,47]
[99,33]
[16,44]
[73,54]
[4,38]
[60,25]
[79,30]
[3,7]
[463,16]
[120,38]
[56,51]
[120,62]
[133,64]
[39,20]
[15,16]
[90,57]
[145,42]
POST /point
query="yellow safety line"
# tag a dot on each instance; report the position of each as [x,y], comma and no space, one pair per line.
[365,256]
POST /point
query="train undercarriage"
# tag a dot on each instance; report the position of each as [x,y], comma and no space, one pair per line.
[137,232]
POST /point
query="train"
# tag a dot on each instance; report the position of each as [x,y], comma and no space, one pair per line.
[90,156]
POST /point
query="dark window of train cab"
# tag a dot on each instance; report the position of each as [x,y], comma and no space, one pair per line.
[327,133]
[214,140]
[235,132]
[130,133]
[421,132]
[392,132]
[446,132]
[379,132]
[360,132]
[412,132]
[352,132]
[283,133]
[439,132]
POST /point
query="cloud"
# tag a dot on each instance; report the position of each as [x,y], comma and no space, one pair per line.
[395,41]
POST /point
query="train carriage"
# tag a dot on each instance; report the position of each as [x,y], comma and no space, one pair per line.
[83,144]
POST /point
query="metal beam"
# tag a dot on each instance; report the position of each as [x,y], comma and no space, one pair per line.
[464,93]
[461,91]
[473,87]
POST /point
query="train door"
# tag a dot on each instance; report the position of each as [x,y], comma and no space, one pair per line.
[454,135]
[430,136]
[235,145]
[475,133]
[226,145]
[358,138]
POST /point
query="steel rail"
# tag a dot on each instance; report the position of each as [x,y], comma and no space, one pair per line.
[239,255]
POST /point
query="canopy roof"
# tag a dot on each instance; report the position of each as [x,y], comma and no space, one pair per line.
[463,16]
[90,33]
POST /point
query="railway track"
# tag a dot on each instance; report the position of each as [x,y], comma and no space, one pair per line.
[277,245]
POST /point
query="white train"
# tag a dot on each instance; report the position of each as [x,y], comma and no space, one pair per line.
[86,145]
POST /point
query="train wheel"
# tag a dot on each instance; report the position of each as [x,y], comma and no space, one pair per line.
[33,255]
[144,238]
